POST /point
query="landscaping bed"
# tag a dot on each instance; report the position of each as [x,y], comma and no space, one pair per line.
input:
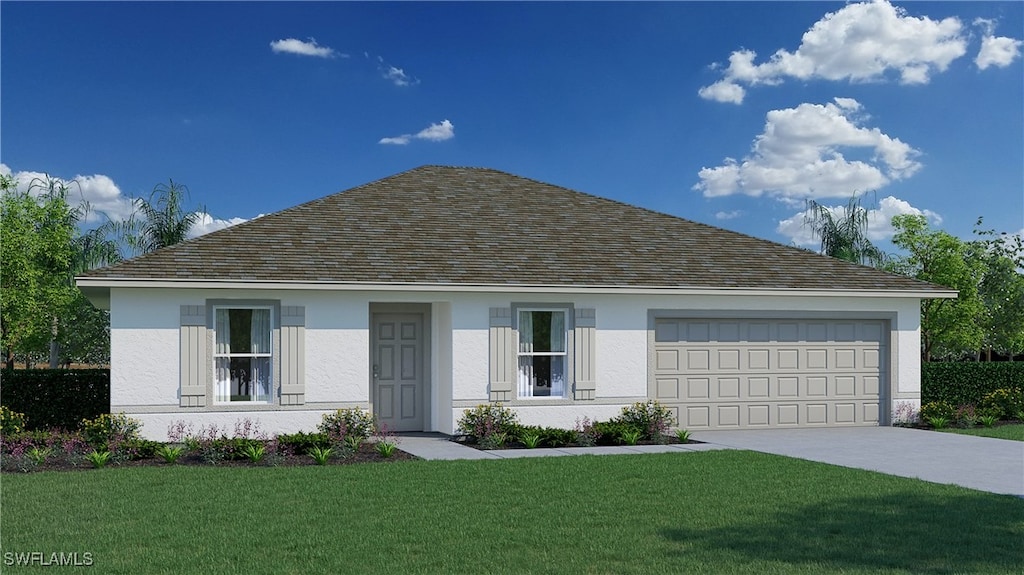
[347,436]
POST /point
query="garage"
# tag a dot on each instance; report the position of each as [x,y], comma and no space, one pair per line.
[764,373]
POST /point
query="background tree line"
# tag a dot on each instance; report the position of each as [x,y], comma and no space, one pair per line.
[43,316]
[985,321]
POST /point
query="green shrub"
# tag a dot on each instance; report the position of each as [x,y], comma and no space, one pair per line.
[965,416]
[321,455]
[301,443]
[1004,403]
[530,439]
[346,422]
[960,383]
[936,409]
[614,432]
[11,422]
[651,417]
[938,422]
[105,429]
[169,453]
[56,398]
[486,420]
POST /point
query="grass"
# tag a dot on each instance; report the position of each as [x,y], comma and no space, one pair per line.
[714,512]
[1014,431]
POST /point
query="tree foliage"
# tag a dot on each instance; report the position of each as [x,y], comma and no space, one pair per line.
[948,326]
[1002,292]
[843,237]
[160,221]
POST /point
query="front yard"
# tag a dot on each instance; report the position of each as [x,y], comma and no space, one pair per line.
[1014,431]
[713,512]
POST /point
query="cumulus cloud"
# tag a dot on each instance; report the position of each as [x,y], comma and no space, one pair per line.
[433,133]
[879,221]
[398,76]
[208,223]
[311,48]
[800,155]
[728,215]
[103,198]
[97,192]
[998,51]
[859,42]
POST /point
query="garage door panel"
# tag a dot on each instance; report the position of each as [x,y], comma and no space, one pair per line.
[770,373]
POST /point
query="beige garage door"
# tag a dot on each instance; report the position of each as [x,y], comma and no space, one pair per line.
[738,373]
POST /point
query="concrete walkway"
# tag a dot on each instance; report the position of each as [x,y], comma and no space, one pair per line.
[986,464]
[993,465]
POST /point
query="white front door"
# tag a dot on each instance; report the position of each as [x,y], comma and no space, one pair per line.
[398,379]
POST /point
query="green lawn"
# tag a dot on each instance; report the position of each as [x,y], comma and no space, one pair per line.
[713,512]
[1014,431]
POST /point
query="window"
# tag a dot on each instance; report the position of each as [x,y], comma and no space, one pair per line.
[542,353]
[242,354]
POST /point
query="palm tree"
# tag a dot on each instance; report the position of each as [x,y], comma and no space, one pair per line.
[844,237]
[160,221]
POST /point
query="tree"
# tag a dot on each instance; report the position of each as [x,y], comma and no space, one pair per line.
[158,222]
[843,237]
[36,235]
[1002,292]
[949,327]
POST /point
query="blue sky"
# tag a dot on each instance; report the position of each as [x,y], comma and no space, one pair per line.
[728,113]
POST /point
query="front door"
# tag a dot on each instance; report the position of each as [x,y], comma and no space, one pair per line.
[398,379]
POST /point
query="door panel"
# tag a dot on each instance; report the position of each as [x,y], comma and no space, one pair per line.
[398,346]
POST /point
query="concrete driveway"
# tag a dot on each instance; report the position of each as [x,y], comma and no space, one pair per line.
[994,465]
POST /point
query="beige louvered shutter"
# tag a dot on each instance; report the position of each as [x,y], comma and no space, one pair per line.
[195,369]
[293,355]
[584,352]
[502,357]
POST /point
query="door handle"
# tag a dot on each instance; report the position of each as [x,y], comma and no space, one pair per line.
[376,371]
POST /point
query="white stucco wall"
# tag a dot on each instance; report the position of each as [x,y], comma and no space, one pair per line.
[145,356]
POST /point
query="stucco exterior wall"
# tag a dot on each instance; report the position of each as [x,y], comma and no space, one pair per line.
[145,355]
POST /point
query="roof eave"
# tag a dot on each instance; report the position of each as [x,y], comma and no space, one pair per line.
[98,289]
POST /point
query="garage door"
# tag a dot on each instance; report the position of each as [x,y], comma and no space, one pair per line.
[737,373]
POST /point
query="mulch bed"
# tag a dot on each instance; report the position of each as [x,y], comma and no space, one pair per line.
[469,441]
[366,454]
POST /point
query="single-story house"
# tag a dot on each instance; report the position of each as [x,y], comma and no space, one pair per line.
[442,288]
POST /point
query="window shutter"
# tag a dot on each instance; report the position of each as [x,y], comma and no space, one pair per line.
[584,352]
[502,355]
[195,369]
[293,355]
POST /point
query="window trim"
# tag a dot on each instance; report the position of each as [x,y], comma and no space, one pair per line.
[567,340]
[271,355]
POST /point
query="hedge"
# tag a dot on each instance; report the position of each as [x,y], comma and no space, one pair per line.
[962,383]
[56,397]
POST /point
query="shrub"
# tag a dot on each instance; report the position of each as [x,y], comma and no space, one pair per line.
[301,443]
[98,458]
[988,420]
[345,422]
[1004,403]
[613,432]
[169,453]
[555,437]
[936,409]
[938,422]
[486,420]
[653,419]
[530,439]
[959,383]
[57,398]
[905,414]
[320,455]
[106,428]
[586,433]
[11,422]
[965,416]
[683,435]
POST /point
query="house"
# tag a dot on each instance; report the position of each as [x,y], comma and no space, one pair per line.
[438,289]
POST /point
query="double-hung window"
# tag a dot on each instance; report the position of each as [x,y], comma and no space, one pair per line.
[542,353]
[242,354]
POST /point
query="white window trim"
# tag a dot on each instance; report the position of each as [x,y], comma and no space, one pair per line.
[566,392]
[270,355]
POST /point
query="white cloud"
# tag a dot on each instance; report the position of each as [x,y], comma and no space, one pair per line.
[99,192]
[728,215]
[997,51]
[799,155]
[879,221]
[397,76]
[311,48]
[208,223]
[104,197]
[433,133]
[859,42]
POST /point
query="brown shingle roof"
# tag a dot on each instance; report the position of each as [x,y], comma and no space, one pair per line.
[444,225]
